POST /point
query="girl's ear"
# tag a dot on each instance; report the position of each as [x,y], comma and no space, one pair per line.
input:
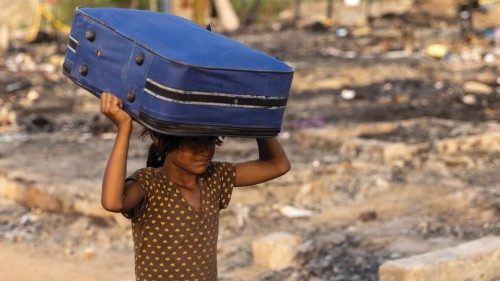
[156,156]
[156,139]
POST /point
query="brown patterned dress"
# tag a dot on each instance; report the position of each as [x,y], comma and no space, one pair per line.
[172,240]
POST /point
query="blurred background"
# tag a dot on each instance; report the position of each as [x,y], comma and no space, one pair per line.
[392,128]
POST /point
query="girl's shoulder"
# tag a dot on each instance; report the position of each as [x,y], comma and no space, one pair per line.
[145,174]
[219,169]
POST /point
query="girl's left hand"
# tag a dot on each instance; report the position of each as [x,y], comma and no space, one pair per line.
[111,106]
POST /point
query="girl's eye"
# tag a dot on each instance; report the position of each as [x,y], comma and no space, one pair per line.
[191,140]
[211,140]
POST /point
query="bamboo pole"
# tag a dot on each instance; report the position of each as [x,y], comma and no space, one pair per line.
[227,15]
[153,5]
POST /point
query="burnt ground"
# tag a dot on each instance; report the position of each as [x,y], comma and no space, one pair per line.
[365,213]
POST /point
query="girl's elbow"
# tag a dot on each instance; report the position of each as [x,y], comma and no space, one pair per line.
[112,207]
[284,167]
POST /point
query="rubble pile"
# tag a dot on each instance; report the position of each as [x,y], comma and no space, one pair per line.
[341,259]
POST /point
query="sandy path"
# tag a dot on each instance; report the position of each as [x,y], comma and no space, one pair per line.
[20,263]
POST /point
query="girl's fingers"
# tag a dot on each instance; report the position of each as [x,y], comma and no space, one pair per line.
[103,102]
[107,100]
[110,103]
[115,103]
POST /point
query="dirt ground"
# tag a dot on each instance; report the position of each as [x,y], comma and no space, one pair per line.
[20,262]
[365,210]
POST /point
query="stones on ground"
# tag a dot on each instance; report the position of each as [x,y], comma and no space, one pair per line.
[27,219]
[390,142]
[29,194]
[477,88]
[475,260]
[7,117]
[469,99]
[352,3]
[438,85]
[377,243]
[367,216]
[293,212]
[339,257]
[68,251]
[458,160]
[438,51]
[439,8]
[487,77]
[488,142]
[89,254]
[275,251]
[30,98]
[242,213]
[342,32]
[302,275]
[348,94]
[16,86]
[4,38]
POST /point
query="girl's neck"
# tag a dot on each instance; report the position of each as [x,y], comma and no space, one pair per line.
[180,177]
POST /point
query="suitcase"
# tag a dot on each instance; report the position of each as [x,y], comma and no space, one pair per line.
[175,77]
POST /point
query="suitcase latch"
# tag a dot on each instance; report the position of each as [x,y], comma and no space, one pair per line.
[90,35]
[131,95]
[84,70]
[139,59]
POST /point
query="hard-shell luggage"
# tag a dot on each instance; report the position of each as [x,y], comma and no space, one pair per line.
[176,77]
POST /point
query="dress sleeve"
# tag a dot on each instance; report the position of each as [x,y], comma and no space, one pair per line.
[142,178]
[227,174]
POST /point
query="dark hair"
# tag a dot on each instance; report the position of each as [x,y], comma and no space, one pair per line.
[163,144]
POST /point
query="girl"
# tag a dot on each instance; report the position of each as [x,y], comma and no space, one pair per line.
[174,203]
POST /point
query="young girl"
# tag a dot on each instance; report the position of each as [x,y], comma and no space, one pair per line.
[174,203]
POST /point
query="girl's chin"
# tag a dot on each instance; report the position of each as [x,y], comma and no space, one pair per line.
[200,168]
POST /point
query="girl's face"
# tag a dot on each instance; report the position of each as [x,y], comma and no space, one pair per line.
[194,154]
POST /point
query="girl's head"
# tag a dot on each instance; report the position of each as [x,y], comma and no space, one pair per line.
[189,153]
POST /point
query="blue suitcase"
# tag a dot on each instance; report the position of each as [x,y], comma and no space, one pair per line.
[176,77]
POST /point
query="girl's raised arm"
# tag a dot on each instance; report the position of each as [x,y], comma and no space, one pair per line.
[271,164]
[117,196]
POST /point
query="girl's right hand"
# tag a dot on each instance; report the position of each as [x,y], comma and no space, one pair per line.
[111,106]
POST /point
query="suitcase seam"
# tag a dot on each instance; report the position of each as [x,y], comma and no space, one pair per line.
[184,64]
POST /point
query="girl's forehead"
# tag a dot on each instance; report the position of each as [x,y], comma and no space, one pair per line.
[200,138]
